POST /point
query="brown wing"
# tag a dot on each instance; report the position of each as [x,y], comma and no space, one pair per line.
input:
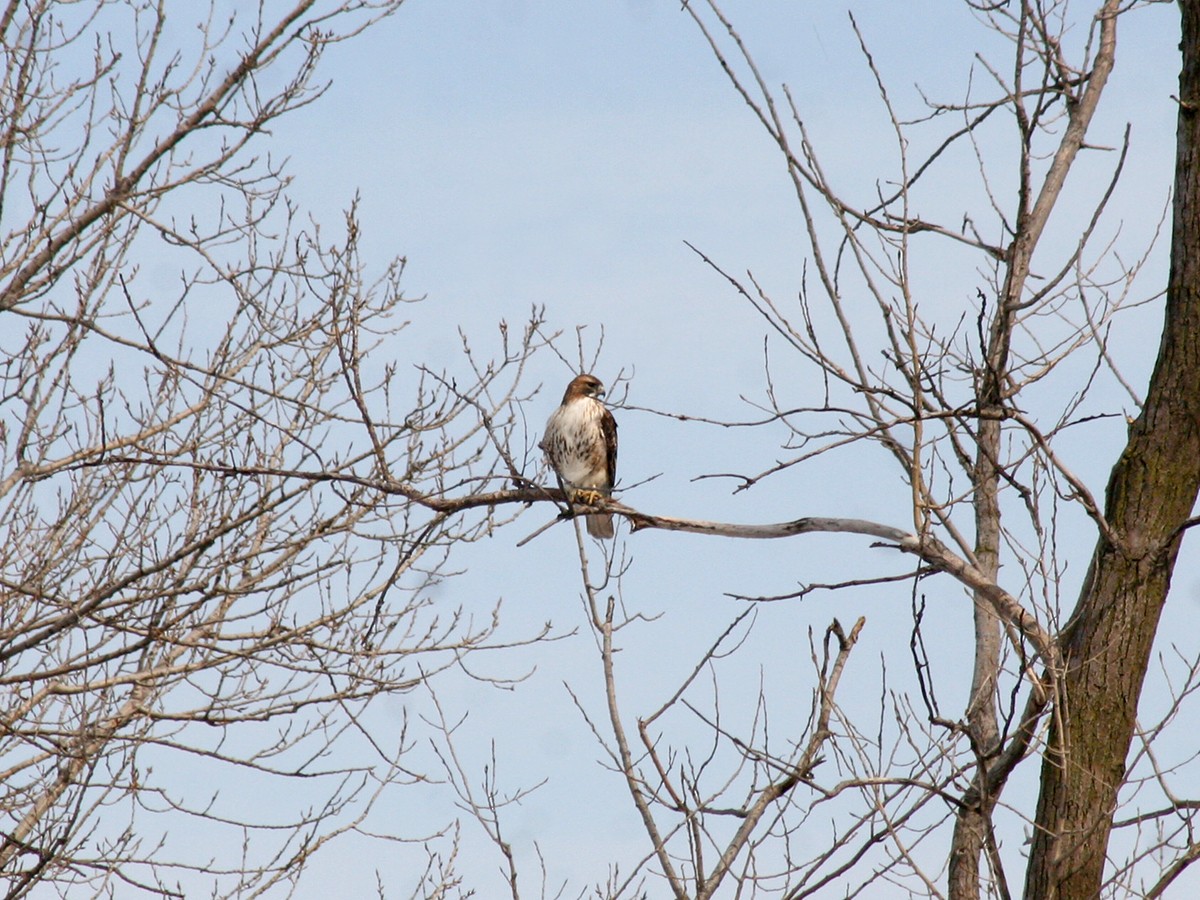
[608,428]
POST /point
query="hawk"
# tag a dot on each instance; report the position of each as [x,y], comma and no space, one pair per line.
[581,446]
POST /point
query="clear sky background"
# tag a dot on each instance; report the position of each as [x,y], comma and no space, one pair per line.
[559,154]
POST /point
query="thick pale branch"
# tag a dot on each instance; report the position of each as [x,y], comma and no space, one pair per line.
[928,549]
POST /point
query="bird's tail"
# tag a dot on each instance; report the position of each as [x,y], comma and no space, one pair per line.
[600,525]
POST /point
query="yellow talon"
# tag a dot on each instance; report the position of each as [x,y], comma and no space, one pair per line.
[587,497]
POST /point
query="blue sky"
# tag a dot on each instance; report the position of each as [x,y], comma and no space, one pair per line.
[560,154]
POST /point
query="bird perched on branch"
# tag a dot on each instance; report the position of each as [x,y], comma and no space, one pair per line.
[581,446]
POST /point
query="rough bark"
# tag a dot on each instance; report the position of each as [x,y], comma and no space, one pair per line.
[1151,493]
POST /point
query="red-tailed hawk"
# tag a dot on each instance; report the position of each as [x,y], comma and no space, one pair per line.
[581,446]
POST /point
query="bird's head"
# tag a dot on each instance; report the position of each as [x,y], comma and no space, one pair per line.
[584,386]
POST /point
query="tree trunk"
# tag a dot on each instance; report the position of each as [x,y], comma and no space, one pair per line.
[970,826]
[1151,493]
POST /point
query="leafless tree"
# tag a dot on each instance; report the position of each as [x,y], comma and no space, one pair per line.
[975,405]
[222,510]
